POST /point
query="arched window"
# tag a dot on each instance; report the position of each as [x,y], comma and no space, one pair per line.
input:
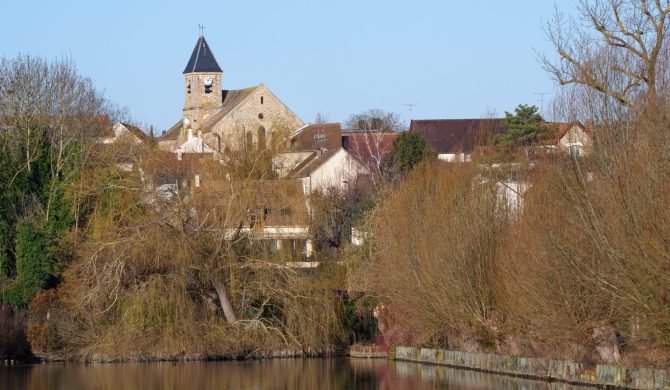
[249,141]
[261,138]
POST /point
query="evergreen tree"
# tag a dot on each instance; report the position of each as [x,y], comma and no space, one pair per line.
[408,150]
[523,127]
[35,266]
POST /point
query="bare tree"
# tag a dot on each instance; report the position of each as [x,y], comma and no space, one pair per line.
[375,120]
[370,139]
[375,150]
[49,101]
[621,54]
[321,118]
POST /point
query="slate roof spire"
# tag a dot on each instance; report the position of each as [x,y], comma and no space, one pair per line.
[202,59]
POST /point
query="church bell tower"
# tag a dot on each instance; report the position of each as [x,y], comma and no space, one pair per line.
[202,86]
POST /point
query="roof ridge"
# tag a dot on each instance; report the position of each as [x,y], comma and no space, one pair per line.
[456,119]
[197,56]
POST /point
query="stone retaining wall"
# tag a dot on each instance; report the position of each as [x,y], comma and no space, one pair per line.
[367,352]
[544,369]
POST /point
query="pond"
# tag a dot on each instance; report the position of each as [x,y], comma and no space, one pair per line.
[259,374]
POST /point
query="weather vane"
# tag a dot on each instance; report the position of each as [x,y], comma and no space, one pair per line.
[202,30]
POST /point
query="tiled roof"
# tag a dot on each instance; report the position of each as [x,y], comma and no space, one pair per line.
[173,132]
[134,130]
[312,163]
[202,59]
[315,136]
[563,129]
[456,135]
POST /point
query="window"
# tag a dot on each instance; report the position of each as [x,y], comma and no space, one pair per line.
[320,137]
[574,151]
[250,141]
[260,116]
[188,88]
[261,99]
[261,138]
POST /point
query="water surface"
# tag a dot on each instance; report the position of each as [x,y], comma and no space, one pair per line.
[259,375]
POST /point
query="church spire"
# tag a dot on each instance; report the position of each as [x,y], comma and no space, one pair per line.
[202,59]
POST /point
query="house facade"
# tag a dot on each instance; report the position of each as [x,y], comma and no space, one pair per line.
[575,139]
[316,157]
[125,132]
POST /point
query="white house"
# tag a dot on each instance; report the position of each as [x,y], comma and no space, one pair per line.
[574,138]
[125,132]
[324,169]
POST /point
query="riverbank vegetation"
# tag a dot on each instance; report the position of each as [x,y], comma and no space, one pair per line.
[581,270]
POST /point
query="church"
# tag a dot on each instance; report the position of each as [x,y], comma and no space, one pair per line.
[216,119]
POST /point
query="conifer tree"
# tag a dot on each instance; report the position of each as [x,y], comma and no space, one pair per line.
[408,150]
[523,127]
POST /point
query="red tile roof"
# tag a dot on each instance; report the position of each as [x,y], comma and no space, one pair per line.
[456,135]
[563,129]
[316,136]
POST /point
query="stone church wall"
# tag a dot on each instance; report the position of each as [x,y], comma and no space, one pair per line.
[259,109]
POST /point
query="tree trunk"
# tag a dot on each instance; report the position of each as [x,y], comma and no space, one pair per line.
[226,305]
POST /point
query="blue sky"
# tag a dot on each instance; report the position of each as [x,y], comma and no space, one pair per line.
[452,59]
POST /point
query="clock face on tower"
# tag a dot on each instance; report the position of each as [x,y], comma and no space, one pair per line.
[208,81]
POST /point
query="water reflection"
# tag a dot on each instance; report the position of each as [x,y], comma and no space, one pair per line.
[268,374]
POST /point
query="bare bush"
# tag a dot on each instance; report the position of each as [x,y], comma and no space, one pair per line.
[590,252]
[435,244]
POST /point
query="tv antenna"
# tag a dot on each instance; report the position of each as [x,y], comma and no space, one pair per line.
[541,99]
[410,106]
